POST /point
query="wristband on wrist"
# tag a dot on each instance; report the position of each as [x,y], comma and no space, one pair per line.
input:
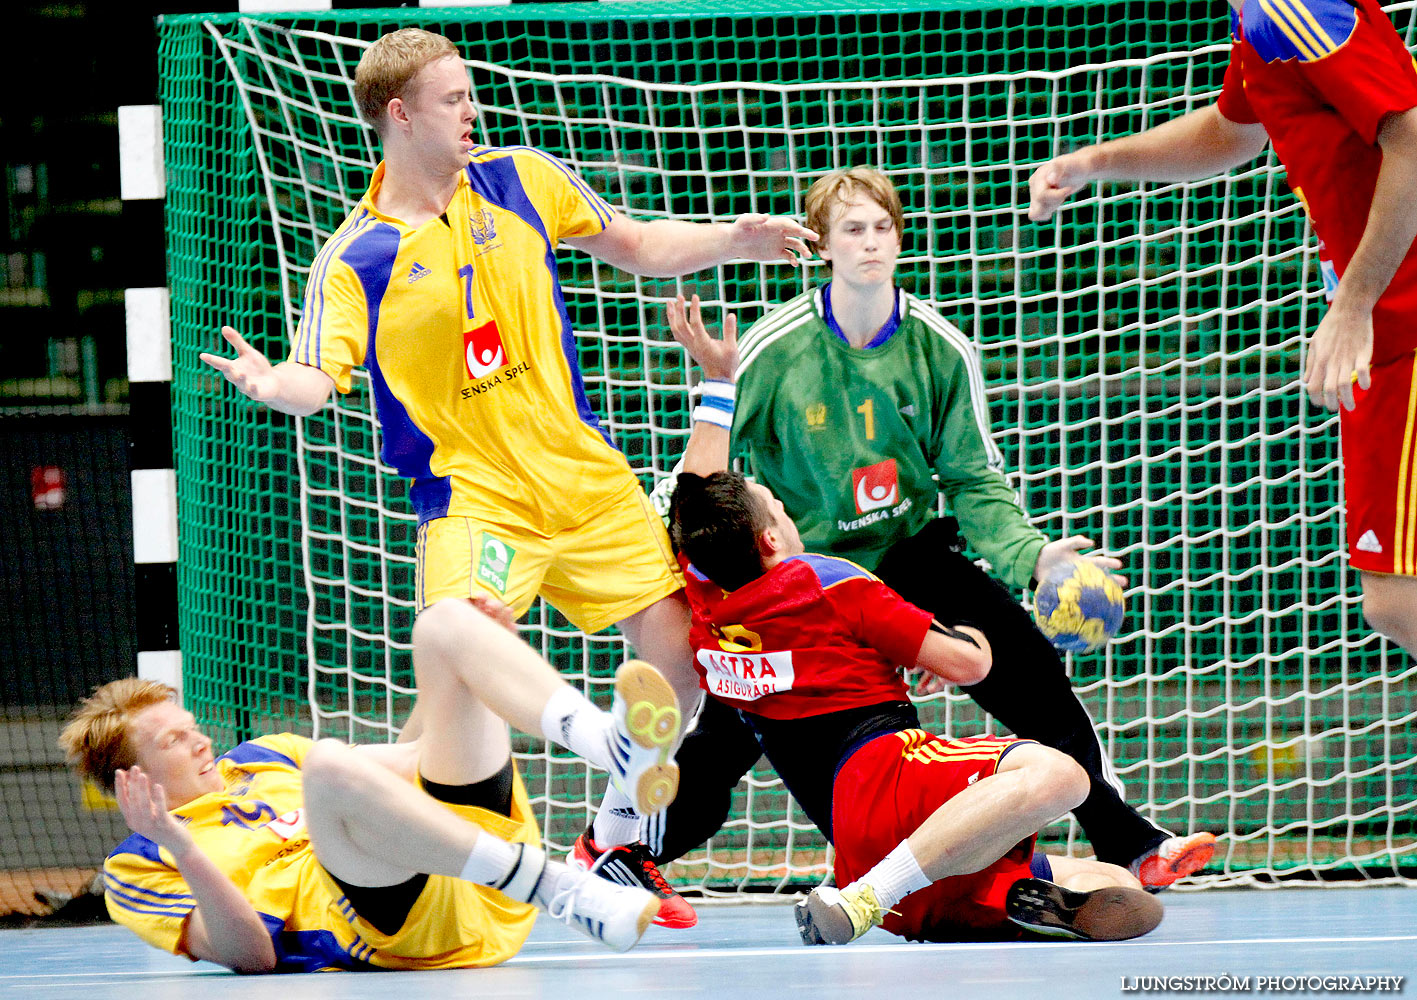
[715,403]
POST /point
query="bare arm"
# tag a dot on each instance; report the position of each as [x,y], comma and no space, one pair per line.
[666,248]
[288,387]
[708,446]
[1199,144]
[958,654]
[223,927]
[1342,346]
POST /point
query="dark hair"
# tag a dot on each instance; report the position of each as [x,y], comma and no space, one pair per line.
[715,522]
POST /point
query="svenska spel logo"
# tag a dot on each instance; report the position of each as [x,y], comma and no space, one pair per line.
[483,352]
[875,486]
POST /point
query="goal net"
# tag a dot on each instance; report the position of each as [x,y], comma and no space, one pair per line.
[1141,355]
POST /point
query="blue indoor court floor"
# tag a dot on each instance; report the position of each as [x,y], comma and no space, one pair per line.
[753,951]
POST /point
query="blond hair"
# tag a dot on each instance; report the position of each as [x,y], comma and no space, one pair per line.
[390,63]
[828,194]
[95,739]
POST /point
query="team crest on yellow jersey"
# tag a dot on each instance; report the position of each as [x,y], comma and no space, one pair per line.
[484,227]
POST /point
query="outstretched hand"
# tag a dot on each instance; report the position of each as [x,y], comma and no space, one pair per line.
[1054,182]
[772,237]
[143,803]
[249,371]
[1071,548]
[717,358]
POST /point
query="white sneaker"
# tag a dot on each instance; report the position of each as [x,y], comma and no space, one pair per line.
[646,733]
[614,915]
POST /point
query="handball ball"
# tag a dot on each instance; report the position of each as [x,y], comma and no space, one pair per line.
[1078,606]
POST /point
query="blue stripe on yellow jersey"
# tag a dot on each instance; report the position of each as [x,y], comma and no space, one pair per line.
[141,846]
[141,900]
[314,313]
[151,895]
[255,753]
[1307,30]
[464,330]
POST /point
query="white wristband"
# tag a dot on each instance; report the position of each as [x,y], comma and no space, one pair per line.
[716,403]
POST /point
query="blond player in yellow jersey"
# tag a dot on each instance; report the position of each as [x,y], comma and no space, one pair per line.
[285,855]
[442,284]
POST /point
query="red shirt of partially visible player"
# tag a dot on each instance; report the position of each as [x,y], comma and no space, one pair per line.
[1321,76]
[814,634]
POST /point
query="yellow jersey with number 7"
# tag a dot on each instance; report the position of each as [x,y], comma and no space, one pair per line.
[463,328]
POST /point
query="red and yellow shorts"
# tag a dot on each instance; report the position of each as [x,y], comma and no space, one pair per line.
[1380,469]
[882,795]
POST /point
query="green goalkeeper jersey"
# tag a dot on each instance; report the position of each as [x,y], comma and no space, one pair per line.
[851,439]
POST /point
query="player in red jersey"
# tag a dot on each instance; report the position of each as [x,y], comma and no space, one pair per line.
[934,838]
[1330,83]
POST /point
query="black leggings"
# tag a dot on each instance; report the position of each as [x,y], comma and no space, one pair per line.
[1027,690]
[386,907]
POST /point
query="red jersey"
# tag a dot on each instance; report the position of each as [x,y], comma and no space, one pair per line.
[813,634]
[1321,76]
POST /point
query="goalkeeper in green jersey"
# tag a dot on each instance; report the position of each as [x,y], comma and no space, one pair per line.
[859,406]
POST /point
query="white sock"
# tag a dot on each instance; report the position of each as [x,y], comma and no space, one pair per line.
[552,882]
[491,861]
[517,870]
[895,876]
[569,719]
[617,822]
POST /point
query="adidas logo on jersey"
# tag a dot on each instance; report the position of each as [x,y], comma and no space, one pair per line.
[417,271]
[908,410]
[1369,542]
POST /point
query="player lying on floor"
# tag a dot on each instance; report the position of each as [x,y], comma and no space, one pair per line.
[934,837]
[286,855]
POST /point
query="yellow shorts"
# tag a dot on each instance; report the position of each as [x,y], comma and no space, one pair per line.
[598,573]
[454,924]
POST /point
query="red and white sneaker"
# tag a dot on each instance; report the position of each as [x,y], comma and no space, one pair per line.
[1173,859]
[631,865]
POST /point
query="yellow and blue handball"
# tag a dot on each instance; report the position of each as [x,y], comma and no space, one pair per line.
[1078,606]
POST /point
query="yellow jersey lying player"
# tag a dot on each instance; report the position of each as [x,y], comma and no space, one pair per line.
[289,855]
